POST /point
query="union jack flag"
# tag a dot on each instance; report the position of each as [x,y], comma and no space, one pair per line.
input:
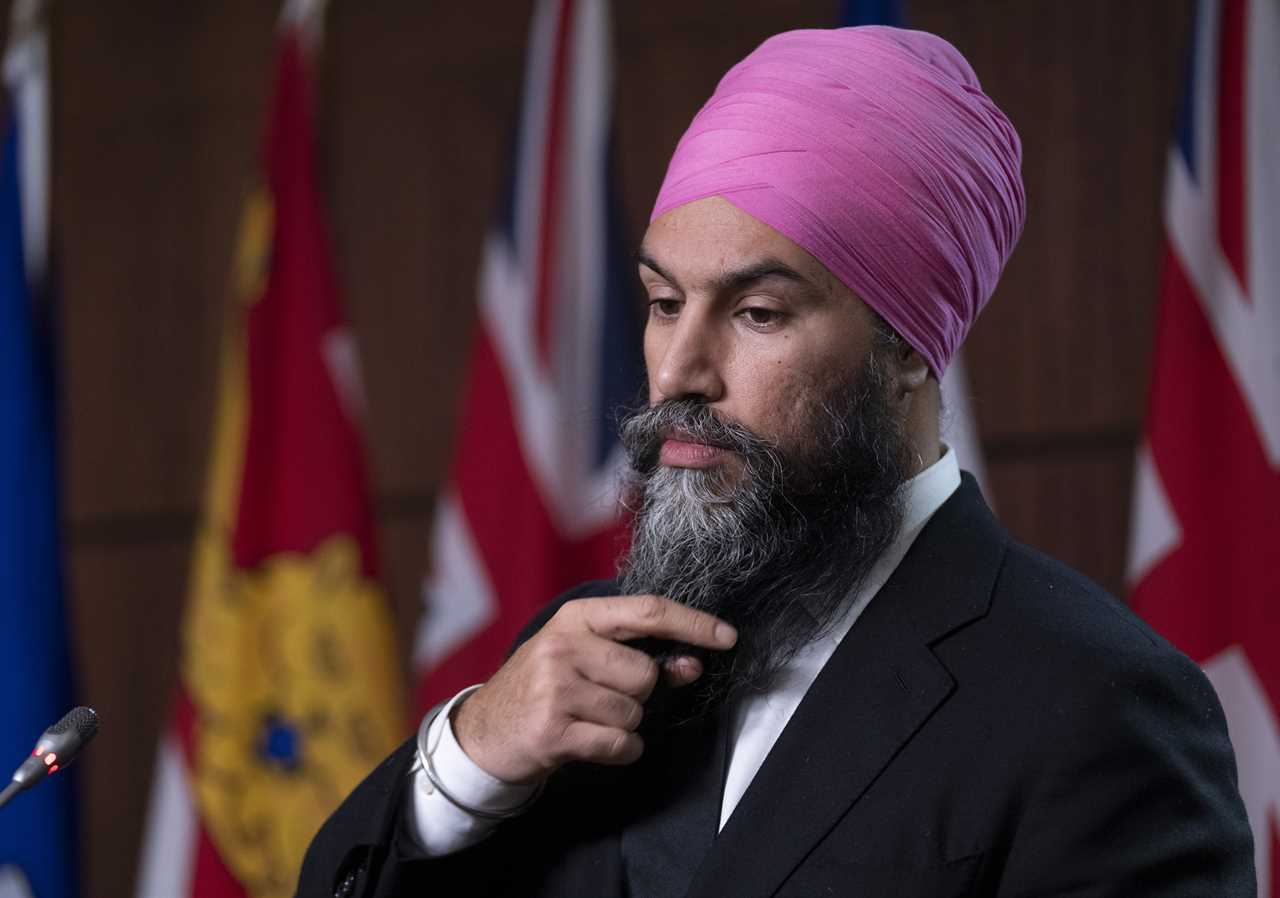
[1207,488]
[531,504]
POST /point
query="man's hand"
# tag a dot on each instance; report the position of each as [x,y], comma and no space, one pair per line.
[573,692]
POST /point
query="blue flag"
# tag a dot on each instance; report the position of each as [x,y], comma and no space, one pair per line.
[38,843]
[871,12]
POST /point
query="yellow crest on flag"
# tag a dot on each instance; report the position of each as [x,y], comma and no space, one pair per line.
[291,667]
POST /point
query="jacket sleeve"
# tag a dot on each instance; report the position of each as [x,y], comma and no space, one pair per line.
[361,850]
[1137,792]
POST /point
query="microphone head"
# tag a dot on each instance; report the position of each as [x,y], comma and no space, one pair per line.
[83,720]
[69,734]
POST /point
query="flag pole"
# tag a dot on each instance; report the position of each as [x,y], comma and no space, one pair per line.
[25,16]
[26,74]
[308,17]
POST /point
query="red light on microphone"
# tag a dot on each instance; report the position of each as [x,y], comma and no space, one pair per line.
[53,769]
[49,759]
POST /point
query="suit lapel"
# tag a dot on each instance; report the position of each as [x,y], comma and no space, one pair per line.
[879,687]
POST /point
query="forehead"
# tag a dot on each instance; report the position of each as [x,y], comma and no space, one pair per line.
[700,242]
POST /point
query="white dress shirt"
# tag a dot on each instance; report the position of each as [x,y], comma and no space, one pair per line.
[441,828]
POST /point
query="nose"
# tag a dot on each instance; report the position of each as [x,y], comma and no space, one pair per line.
[689,363]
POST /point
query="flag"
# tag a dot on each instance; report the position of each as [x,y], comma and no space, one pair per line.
[871,12]
[1206,503]
[959,428]
[38,838]
[289,687]
[531,507]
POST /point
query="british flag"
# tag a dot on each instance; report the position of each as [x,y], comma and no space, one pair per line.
[1207,487]
[531,503]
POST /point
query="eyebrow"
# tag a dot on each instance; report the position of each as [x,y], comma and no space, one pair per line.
[737,279]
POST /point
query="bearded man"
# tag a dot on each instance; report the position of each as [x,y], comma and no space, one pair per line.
[825,668]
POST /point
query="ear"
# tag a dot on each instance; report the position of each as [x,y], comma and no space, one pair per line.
[913,370]
[916,393]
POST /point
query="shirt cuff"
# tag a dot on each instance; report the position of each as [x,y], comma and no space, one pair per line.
[436,825]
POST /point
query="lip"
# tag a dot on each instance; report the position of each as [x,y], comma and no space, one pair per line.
[683,453]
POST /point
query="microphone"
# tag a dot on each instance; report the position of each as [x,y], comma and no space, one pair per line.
[57,747]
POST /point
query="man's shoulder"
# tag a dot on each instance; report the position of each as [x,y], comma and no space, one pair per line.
[1042,594]
[1066,671]
[970,580]
[1054,625]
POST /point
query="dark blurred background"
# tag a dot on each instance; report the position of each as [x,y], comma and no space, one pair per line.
[158,110]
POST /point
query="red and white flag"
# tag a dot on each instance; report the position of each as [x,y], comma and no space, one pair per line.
[531,504]
[289,689]
[1207,486]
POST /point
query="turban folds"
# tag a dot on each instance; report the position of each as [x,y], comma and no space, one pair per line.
[875,150]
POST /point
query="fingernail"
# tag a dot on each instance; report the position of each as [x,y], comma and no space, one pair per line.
[726,635]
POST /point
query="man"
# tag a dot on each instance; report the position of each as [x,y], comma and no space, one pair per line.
[825,668]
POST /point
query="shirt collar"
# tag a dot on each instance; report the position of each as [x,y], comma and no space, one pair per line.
[925,494]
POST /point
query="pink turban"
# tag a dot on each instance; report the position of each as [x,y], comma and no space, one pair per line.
[876,151]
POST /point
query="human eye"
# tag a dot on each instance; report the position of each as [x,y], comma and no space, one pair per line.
[664,307]
[762,318]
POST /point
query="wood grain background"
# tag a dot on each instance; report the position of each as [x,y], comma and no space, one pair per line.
[158,110]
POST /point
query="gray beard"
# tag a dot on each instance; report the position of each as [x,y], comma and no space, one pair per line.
[777,551]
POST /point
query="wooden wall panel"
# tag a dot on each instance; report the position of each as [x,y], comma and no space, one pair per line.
[158,112]
[1075,502]
[125,625]
[1063,347]
[403,536]
[157,109]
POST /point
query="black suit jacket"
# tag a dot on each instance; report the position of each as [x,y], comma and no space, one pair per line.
[994,724]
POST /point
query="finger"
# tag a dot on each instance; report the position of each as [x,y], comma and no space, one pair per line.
[617,667]
[596,704]
[585,741]
[681,670]
[629,617]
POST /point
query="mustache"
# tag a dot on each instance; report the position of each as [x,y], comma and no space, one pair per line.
[644,431]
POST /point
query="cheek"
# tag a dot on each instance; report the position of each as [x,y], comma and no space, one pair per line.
[779,397]
[654,346]
[768,395]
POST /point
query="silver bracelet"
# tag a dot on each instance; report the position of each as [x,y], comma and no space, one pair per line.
[425,763]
